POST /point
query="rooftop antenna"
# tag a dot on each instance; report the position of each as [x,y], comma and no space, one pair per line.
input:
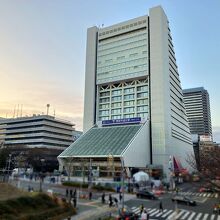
[54,113]
[14,111]
[48,106]
[21,110]
[18,111]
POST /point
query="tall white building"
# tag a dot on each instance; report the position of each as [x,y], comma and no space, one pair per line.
[133,104]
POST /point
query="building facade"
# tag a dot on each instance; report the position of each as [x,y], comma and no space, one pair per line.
[133,104]
[42,131]
[198,111]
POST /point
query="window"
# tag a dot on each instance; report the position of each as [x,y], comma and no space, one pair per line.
[102,94]
[129,115]
[104,106]
[142,115]
[130,109]
[141,88]
[116,111]
[129,90]
[142,108]
[116,92]
[116,117]
[116,98]
[128,103]
[127,97]
[142,101]
[142,95]
[103,100]
[115,105]
[104,112]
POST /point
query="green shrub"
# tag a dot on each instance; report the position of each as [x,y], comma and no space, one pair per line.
[76,184]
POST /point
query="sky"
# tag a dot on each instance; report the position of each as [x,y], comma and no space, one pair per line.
[43,44]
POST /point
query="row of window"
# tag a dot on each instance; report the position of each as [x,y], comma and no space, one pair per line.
[126,91]
[132,115]
[113,63]
[125,110]
[122,53]
[116,48]
[126,70]
[139,34]
[126,103]
[126,97]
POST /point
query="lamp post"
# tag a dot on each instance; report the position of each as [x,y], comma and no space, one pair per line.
[122,176]
[41,173]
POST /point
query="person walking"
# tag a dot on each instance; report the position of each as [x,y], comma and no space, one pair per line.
[144,215]
[110,200]
[116,202]
[90,195]
[141,208]
[120,197]
[74,202]
[103,198]
[67,193]
[161,206]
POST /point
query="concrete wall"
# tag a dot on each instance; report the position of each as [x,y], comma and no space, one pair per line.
[90,80]
[138,152]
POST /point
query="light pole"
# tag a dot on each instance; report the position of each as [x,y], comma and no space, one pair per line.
[41,173]
[122,176]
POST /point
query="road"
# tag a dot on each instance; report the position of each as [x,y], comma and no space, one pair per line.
[203,210]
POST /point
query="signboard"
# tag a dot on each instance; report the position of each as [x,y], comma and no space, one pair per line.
[121,121]
[205,138]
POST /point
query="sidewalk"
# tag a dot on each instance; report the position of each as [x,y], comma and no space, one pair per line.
[95,213]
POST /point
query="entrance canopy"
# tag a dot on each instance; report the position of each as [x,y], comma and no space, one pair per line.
[102,142]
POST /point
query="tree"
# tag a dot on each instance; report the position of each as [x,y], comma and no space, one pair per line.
[207,164]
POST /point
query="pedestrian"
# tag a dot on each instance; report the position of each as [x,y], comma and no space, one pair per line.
[67,193]
[116,202]
[161,206]
[29,188]
[120,197]
[151,185]
[75,193]
[103,198]
[110,200]
[215,209]
[71,193]
[90,195]
[74,202]
[144,215]
[141,208]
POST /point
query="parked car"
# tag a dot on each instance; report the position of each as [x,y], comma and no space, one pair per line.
[184,200]
[146,194]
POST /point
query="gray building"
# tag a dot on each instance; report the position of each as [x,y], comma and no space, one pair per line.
[133,104]
[198,111]
[41,131]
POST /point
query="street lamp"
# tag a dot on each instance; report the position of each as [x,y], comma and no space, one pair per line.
[41,173]
[122,176]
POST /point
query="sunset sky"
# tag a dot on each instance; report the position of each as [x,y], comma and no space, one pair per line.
[42,50]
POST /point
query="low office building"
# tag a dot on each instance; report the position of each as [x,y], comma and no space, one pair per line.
[42,131]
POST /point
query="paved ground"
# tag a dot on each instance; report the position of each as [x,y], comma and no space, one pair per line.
[93,209]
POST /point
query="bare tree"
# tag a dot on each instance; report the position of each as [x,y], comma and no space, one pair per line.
[68,164]
[207,164]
